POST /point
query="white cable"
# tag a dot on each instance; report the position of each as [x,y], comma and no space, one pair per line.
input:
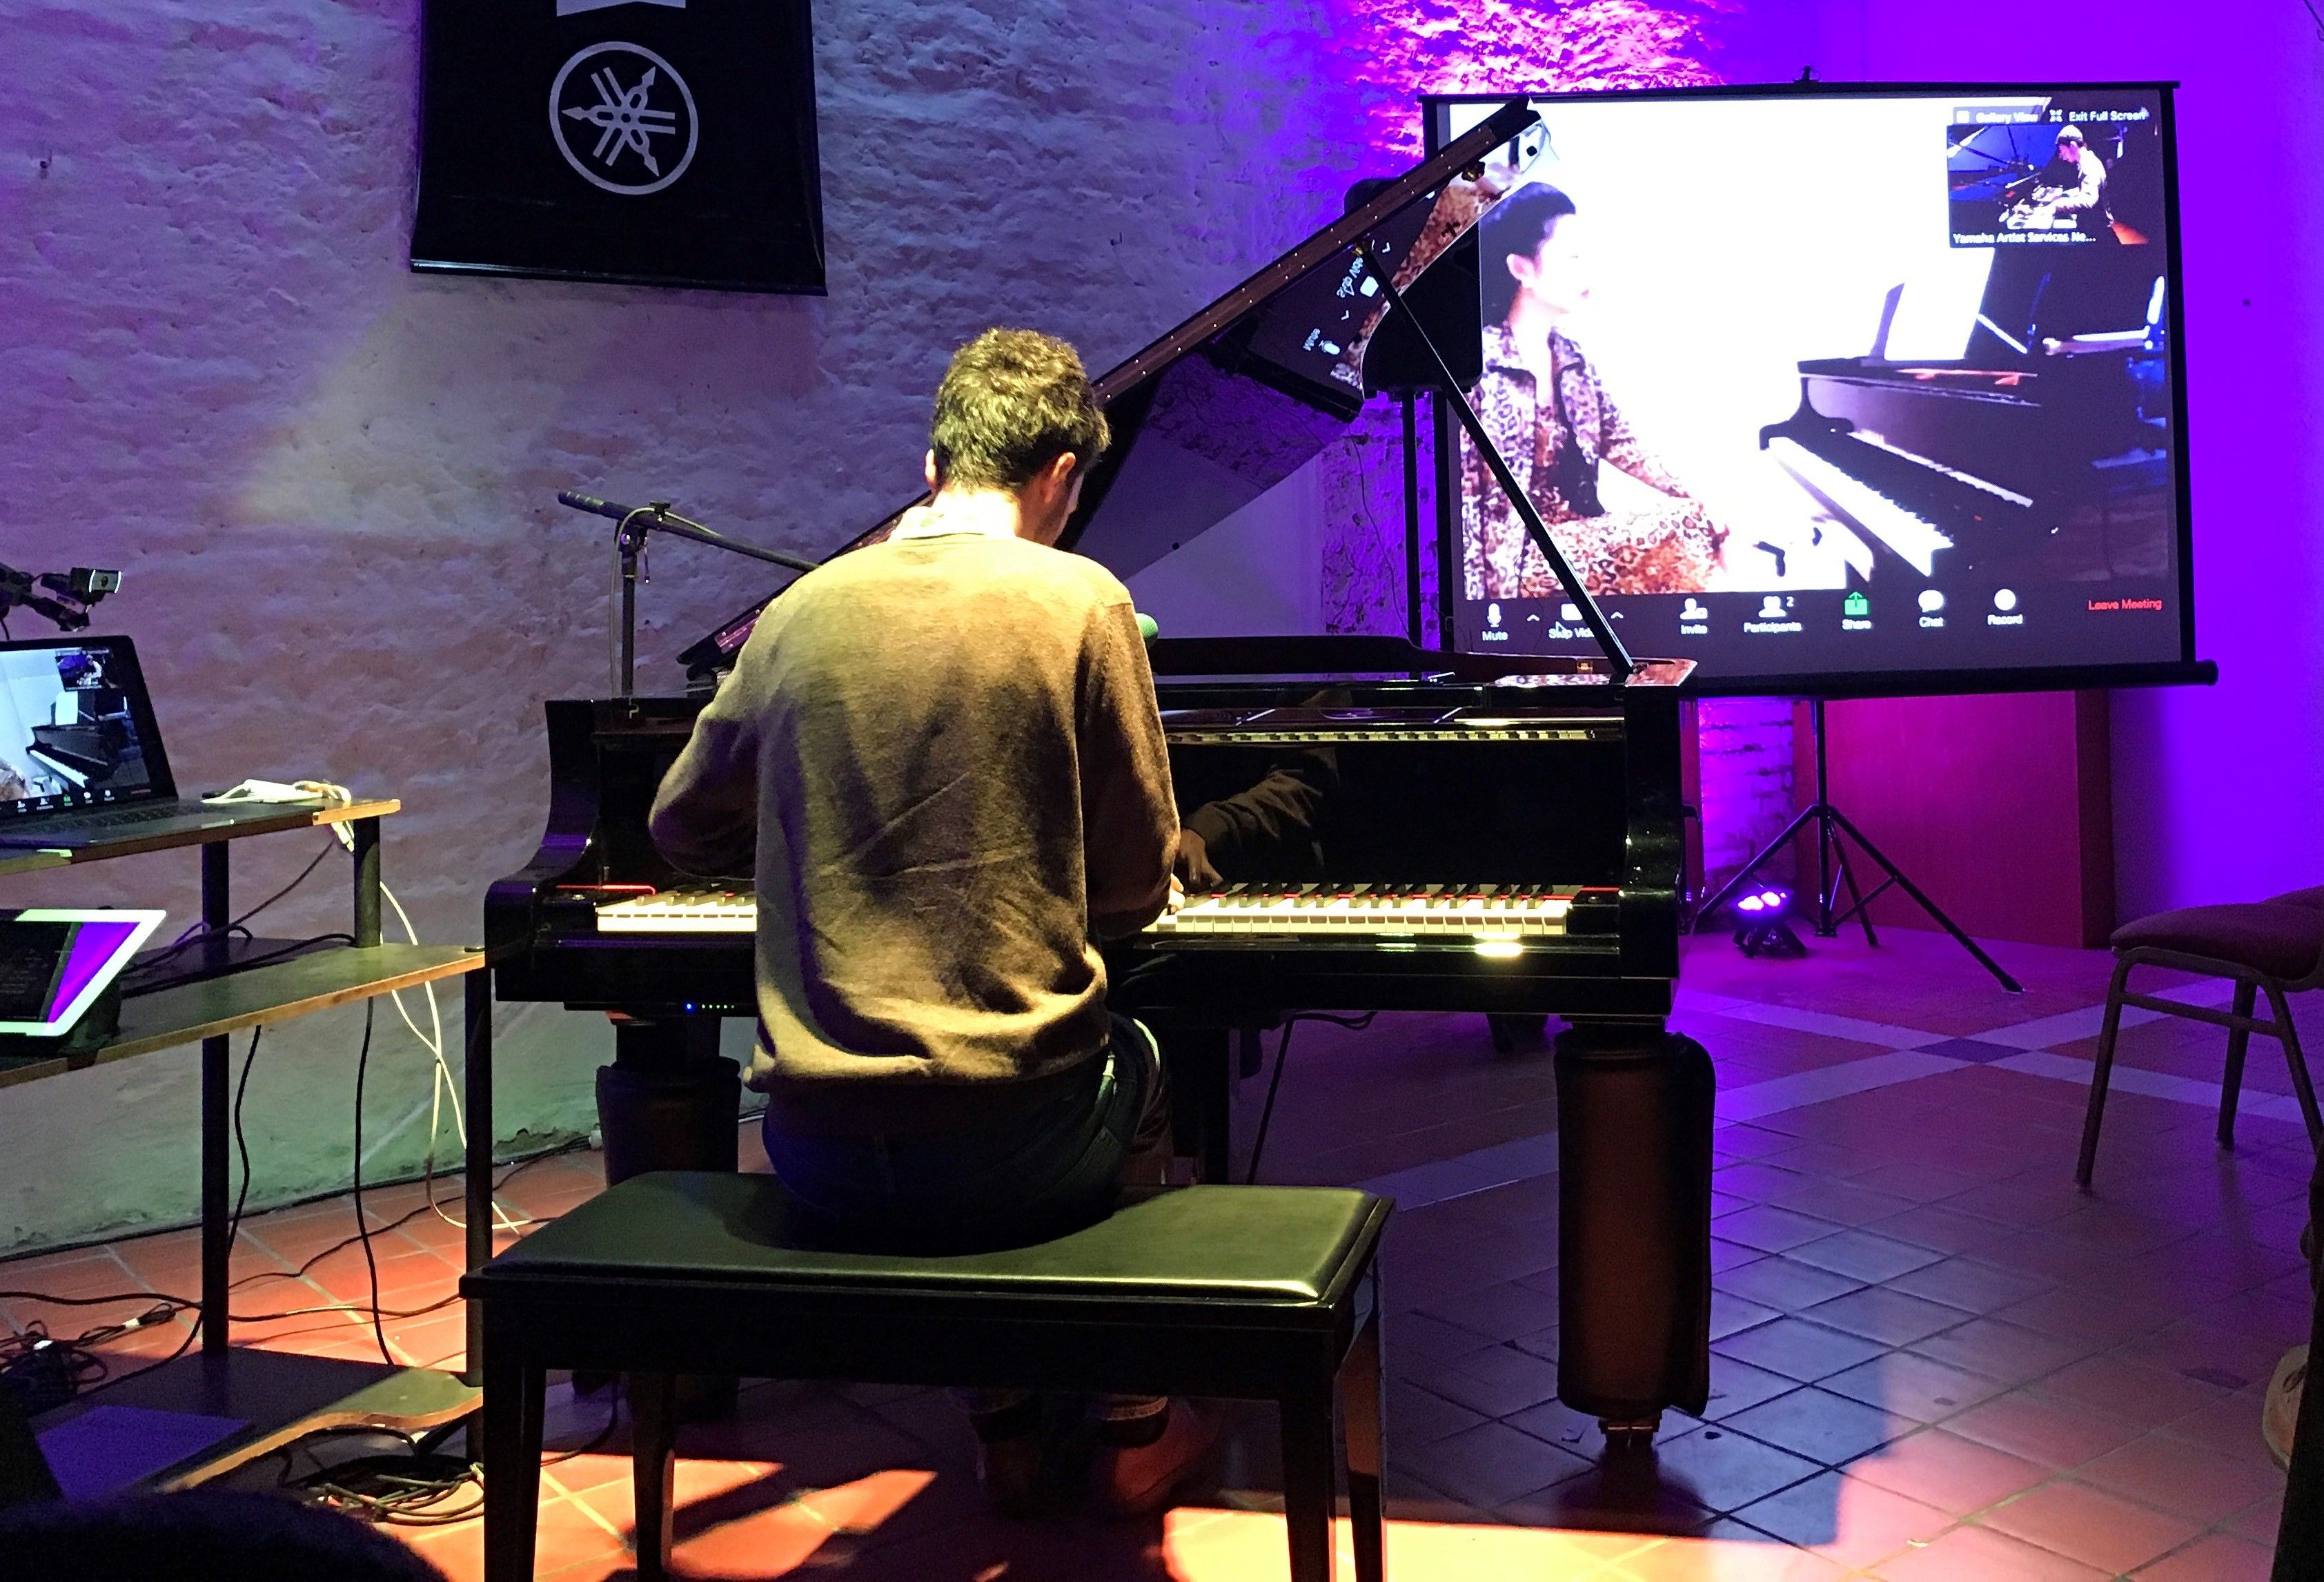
[440,1085]
[440,1082]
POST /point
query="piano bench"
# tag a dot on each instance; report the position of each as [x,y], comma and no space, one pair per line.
[2274,948]
[1252,1293]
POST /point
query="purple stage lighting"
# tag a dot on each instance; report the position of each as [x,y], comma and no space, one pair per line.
[1760,929]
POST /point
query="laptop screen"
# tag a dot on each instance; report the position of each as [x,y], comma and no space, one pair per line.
[75,728]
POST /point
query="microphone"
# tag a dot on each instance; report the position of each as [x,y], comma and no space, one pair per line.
[593,505]
[670,524]
[1147,627]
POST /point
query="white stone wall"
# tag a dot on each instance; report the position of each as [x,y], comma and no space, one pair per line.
[1747,797]
[329,482]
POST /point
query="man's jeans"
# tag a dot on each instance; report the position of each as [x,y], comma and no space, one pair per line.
[1041,1176]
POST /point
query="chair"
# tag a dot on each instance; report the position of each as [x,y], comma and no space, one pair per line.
[2273,947]
[1256,1293]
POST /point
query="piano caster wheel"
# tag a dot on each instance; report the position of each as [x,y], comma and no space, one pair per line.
[1630,1436]
[1510,1031]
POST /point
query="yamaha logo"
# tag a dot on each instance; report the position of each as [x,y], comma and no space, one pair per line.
[624,118]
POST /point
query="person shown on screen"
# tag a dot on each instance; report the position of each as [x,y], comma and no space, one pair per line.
[1546,410]
[2070,192]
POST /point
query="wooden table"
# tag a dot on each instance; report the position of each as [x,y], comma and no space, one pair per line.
[362,815]
[278,1395]
[258,996]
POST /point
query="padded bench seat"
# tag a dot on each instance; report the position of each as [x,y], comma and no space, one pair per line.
[1257,1293]
[2280,940]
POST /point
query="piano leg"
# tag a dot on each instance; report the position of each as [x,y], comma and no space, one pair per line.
[669,1099]
[1199,1064]
[1634,1118]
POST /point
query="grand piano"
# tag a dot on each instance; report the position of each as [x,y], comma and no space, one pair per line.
[98,747]
[2054,421]
[1393,828]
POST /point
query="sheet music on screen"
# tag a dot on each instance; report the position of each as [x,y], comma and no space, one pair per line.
[1845,383]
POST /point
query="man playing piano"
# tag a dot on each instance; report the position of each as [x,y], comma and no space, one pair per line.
[2068,193]
[941,754]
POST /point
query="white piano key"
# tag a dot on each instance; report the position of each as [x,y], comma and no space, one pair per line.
[1913,537]
[1377,911]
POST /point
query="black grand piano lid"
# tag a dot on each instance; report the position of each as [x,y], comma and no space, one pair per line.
[1204,504]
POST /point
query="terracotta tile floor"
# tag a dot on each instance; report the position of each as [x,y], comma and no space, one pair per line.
[1934,1357]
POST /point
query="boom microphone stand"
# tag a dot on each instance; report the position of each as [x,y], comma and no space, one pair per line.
[637,523]
[667,1100]
[1833,872]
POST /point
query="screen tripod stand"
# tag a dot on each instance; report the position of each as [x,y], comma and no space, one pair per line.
[1833,872]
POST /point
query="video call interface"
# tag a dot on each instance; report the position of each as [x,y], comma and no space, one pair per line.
[67,736]
[1830,383]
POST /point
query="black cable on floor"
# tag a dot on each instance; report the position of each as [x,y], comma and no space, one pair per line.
[110,1298]
[167,1306]
[577,1145]
[43,1371]
[1267,1115]
[193,1331]
[412,1486]
[363,1230]
[242,1141]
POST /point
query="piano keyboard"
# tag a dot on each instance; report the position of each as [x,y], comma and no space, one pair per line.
[1912,536]
[1485,912]
[682,911]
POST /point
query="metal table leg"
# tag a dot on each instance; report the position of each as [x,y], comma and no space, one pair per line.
[477,1083]
[217,1140]
[367,881]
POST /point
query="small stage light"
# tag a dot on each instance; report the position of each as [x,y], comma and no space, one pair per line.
[1760,927]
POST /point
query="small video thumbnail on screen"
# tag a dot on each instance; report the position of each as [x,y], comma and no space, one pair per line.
[2055,173]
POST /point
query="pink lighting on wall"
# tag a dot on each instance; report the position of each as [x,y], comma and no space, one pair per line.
[1386,51]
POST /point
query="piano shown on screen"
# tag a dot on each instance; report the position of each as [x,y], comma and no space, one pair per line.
[2051,437]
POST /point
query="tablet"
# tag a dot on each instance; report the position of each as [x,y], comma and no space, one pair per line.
[55,961]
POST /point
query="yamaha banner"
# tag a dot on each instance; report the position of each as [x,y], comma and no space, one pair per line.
[662,141]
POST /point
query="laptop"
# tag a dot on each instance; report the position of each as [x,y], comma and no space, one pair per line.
[81,760]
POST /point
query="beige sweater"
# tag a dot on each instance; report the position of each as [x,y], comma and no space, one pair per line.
[942,760]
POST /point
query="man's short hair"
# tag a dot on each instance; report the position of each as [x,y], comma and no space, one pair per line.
[1014,401]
